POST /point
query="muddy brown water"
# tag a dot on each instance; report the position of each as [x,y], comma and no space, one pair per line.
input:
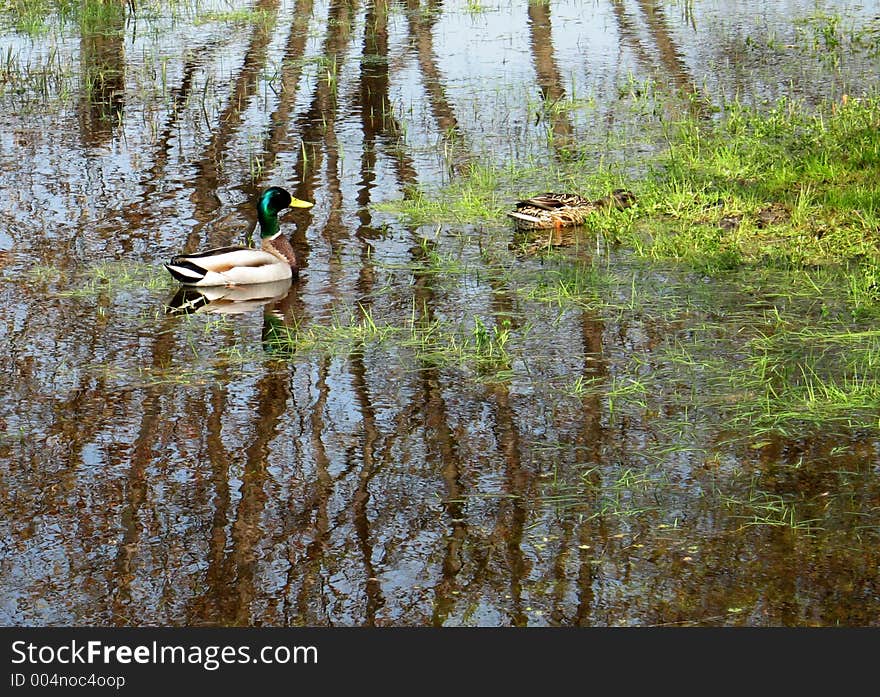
[163,468]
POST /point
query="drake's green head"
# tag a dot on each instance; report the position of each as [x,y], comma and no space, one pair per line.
[272,201]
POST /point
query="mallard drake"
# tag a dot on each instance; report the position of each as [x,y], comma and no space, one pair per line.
[557,210]
[237,265]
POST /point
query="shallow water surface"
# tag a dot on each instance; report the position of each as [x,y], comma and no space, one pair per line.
[430,426]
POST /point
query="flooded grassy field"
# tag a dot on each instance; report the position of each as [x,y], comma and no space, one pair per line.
[441,422]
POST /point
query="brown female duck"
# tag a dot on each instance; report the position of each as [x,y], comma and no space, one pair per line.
[557,210]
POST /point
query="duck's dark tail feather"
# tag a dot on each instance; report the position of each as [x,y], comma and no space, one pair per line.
[185,271]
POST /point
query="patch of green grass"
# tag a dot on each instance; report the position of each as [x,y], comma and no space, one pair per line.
[475,7]
[489,344]
[34,17]
[811,376]
[99,16]
[758,349]
[780,185]
[483,349]
[831,38]
[758,373]
[33,81]
[762,508]
[624,494]
[239,15]
[568,285]
[43,273]
[474,197]
[111,278]
[27,16]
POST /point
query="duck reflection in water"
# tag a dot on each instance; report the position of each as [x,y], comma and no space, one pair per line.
[223,300]
[278,338]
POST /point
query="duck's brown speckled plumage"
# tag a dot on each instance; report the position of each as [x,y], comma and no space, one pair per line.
[557,210]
